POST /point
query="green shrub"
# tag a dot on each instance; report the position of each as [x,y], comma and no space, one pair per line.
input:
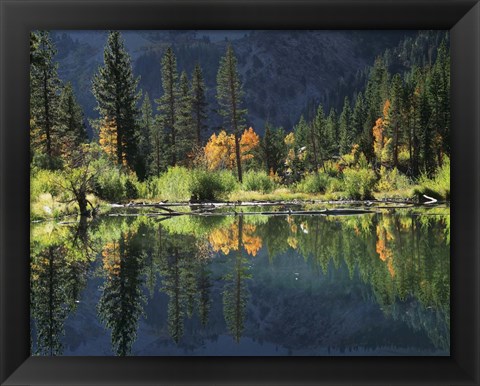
[331,168]
[437,187]
[314,183]
[359,183]
[392,180]
[257,181]
[174,184]
[335,185]
[131,190]
[43,181]
[110,185]
[228,180]
[207,185]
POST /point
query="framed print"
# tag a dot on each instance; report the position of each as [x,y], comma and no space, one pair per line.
[239,192]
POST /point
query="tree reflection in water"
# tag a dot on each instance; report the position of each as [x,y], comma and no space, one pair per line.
[298,282]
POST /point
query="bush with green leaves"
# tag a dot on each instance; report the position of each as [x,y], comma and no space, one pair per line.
[257,181]
[391,179]
[174,185]
[314,183]
[109,185]
[437,187]
[44,181]
[209,186]
[359,183]
[131,191]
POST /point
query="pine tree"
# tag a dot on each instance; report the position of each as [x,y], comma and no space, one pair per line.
[199,103]
[184,120]
[44,99]
[115,90]
[167,103]
[376,93]
[274,149]
[319,139]
[395,122]
[71,120]
[146,142]
[345,129]
[229,97]
[331,131]
[359,117]
[439,98]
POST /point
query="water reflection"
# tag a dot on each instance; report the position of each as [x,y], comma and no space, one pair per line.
[276,285]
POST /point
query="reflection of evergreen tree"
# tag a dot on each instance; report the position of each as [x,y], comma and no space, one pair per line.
[121,303]
[48,300]
[235,293]
[59,266]
[172,286]
[204,300]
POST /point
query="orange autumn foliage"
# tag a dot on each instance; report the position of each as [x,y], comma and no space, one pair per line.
[220,149]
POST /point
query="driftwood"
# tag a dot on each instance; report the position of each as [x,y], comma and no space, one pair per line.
[210,212]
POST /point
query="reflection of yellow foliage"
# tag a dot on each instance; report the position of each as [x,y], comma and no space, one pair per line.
[384,253]
[111,258]
[290,139]
[293,242]
[226,239]
[390,267]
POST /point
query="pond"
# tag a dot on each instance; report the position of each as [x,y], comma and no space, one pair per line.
[368,284]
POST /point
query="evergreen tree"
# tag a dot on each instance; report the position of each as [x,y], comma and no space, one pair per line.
[426,135]
[375,95]
[44,100]
[439,99]
[199,103]
[229,97]
[167,103]
[115,90]
[71,121]
[345,129]
[395,122]
[331,131]
[274,149]
[301,131]
[359,116]
[184,119]
[319,142]
[146,140]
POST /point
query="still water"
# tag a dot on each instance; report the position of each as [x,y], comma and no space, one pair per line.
[370,284]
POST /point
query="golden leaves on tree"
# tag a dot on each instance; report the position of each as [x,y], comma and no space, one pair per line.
[108,139]
[220,149]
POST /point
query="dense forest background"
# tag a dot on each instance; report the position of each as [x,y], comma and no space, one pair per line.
[122,114]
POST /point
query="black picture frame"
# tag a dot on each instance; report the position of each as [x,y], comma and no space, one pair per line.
[19,17]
